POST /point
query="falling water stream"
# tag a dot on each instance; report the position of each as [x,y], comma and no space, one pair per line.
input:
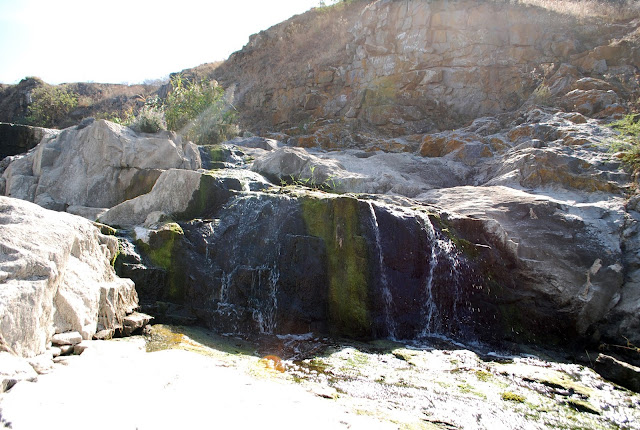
[430,309]
[386,291]
[443,255]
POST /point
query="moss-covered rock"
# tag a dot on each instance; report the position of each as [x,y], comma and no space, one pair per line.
[161,247]
[212,193]
[336,221]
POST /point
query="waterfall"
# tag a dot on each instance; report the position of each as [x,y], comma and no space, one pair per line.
[261,303]
[444,255]
[265,310]
[430,320]
[386,291]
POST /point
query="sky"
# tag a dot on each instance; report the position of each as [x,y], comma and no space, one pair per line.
[127,41]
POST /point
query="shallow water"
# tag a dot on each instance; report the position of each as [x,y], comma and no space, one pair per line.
[435,384]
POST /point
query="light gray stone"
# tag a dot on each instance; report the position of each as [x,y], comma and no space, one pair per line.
[298,166]
[56,276]
[89,213]
[177,193]
[55,351]
[135,321]
[14,369]
[82,346]
[99,166]
[66,349]
[69,338]
[42,363]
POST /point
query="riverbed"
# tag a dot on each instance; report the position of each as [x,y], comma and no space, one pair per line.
[185,377]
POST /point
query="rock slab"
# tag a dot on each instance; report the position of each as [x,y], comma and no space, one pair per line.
[619,372]
[96,164]
[56,277]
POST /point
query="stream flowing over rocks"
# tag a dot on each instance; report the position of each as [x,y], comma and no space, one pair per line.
[433,213]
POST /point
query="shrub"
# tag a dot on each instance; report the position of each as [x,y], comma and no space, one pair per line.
[629,129]
[542,96]
[199,111]
[51,105]
[150,119]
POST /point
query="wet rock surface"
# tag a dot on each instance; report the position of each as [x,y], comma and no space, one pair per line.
[434,384]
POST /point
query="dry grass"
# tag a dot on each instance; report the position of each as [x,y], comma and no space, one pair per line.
[609,10]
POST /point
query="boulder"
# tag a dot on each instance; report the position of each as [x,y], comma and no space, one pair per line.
[98,165]
[17,138]
[254,142]
[14,369]
[589,102]
[298,166]
[618,371]
[179,194]
[69,338]
[134,322]
[55,277]
[567,253]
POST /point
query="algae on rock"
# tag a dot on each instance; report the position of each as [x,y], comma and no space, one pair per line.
[161,247]
[336,221]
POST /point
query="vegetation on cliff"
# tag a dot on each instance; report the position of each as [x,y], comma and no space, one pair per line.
[51,105]
[629,129]
[200,110]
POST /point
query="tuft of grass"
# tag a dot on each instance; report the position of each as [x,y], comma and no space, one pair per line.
[483,375]
[509,396]
[629,140]
[542,96]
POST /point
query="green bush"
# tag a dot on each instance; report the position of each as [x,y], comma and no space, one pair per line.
[199,111]
[629,129]
[150,119]
[51,105]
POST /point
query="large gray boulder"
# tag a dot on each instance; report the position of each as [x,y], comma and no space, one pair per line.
[570,251]
[298,166]
[178,194]
[97,164]
[17,138]
[56,276]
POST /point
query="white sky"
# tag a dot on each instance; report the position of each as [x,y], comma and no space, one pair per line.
[127,41]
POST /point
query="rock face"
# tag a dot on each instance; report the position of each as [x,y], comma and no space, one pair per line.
[520,233]
[17,139]
[56,277]
[619,372]
[518,223]
[404,67]
[179,194]
[96,164]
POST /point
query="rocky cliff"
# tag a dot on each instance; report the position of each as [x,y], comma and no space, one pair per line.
[405,67]
[441,168]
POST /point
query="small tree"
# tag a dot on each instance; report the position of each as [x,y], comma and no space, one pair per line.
[51,105]
[199,111]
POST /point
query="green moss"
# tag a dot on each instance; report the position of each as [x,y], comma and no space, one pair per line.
[468,248]
[467,388]
[483,375]
[211,193]
[383,91]
[105,229]
[508,396]
[336,222]
[161,249]
[217,153]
